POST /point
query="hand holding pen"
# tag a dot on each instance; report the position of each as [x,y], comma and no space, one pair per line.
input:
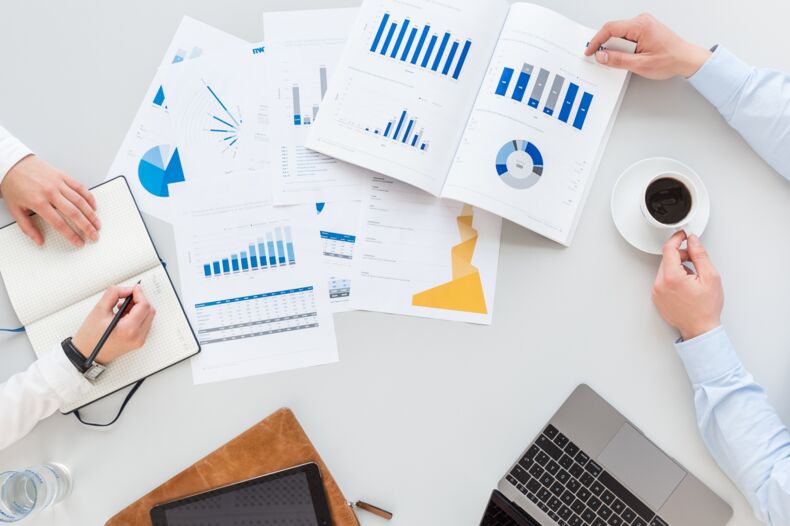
[123,330]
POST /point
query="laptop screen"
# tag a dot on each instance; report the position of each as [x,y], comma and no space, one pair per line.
[501,512]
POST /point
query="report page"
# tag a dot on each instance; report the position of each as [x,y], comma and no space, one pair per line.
[407,81]
[539,125]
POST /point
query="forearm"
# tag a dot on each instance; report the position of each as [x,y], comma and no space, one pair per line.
[28,397]
[756,102]
[11,152]
[739,425]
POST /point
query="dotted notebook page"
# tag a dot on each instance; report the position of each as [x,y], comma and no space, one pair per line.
[43,280]
[170,340]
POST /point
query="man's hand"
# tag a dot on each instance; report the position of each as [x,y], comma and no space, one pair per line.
[129,334]
[32,185]
[660,53]
[690,302]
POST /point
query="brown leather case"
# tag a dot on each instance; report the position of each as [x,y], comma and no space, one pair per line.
[278,442]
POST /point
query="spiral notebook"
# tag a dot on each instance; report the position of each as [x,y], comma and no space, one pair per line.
[53,288]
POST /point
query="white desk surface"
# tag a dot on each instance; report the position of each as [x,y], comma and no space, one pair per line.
[421,416]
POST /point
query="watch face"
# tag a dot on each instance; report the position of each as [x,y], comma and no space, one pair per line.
[94,371]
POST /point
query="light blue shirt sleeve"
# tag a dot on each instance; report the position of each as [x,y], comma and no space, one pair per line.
[739,425]
[756,102]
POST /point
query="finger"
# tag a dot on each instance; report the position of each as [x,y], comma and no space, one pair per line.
[671,260]
[52,217]
[77,218]
[82,190]
[699,256]
[616,28]
[112,296]
[139,310]
[620,60]
[85,207]
[684,255]
[27,225]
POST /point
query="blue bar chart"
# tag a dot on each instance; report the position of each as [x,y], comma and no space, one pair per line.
[440,52]
[402,129]
[550,99]
[269,251]
[305,118]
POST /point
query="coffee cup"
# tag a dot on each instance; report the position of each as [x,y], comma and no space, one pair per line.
[669,201]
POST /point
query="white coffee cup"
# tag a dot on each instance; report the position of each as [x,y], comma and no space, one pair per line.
[685,181]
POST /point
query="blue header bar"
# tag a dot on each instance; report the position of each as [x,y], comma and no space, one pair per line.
[254,297]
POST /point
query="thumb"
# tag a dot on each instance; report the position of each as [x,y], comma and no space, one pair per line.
[699,256]
[27,225]
[111,297]
[618,59]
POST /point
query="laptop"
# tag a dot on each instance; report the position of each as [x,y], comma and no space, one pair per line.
[590,466]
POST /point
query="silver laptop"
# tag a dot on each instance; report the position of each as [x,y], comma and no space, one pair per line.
[591,466]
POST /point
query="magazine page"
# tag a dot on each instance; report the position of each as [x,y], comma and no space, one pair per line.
[539,125]
[408,78]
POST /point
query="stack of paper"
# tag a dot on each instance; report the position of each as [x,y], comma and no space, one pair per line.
[313,174]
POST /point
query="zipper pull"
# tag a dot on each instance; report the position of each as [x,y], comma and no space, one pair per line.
[370,508]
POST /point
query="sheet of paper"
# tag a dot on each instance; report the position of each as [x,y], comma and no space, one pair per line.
[424,256]
[148,156]
[206,100]
[405,86]
[252,282]
[539,125]
[304,48]
[338,222]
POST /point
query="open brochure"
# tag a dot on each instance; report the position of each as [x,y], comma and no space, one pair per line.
[487,103]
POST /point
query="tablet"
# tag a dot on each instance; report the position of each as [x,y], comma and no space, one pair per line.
[292,497]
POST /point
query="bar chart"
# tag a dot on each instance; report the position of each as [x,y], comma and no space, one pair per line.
[270,250]
[549,97]
[406,124]
[256,315]
[405,42]
[305,118]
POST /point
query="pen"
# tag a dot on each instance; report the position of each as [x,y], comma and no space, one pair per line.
[113,323]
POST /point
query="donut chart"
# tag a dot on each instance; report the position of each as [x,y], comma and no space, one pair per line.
[519,164]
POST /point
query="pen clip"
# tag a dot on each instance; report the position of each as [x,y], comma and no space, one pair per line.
[370,508]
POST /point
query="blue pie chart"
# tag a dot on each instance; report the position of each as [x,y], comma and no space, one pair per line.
[159,168]
[519,164]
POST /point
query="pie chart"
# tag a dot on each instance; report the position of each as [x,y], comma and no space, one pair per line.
[519,164]
[160,167]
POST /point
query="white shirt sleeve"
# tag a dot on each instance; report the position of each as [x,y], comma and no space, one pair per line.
[739,425]
[11,152]
[36,393]
[756,102]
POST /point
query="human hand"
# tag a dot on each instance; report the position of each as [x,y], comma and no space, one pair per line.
[32,185]
[129,334]
[691,302]
[660,53]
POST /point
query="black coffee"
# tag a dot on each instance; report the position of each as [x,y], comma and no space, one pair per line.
[668,200]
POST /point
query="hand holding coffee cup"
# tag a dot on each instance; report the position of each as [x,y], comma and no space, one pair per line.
[670,201]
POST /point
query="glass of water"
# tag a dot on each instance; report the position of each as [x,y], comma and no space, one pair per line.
[28,491]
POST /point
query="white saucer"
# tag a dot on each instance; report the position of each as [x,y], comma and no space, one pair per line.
[628,193]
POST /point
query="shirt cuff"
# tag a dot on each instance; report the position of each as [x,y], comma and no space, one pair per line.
[720,77]
[11,152]
[708,356]
[61,375]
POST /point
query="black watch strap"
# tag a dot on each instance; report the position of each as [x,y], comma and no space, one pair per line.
[74,355]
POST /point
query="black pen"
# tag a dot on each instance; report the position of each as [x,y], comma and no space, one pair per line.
[113,323]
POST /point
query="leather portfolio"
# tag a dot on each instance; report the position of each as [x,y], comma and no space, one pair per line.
[278,442]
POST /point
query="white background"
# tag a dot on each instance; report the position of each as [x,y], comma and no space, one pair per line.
[421,416]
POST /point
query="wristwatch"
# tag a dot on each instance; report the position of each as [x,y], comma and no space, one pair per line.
[91,370]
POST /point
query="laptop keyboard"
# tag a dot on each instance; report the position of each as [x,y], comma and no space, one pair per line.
[572,489]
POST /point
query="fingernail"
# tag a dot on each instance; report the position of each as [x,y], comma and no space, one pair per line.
[694,240]
[602,57]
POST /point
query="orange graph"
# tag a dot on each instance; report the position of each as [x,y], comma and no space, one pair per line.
[465,291]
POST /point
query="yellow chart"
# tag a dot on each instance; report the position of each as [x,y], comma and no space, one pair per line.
[465,291]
